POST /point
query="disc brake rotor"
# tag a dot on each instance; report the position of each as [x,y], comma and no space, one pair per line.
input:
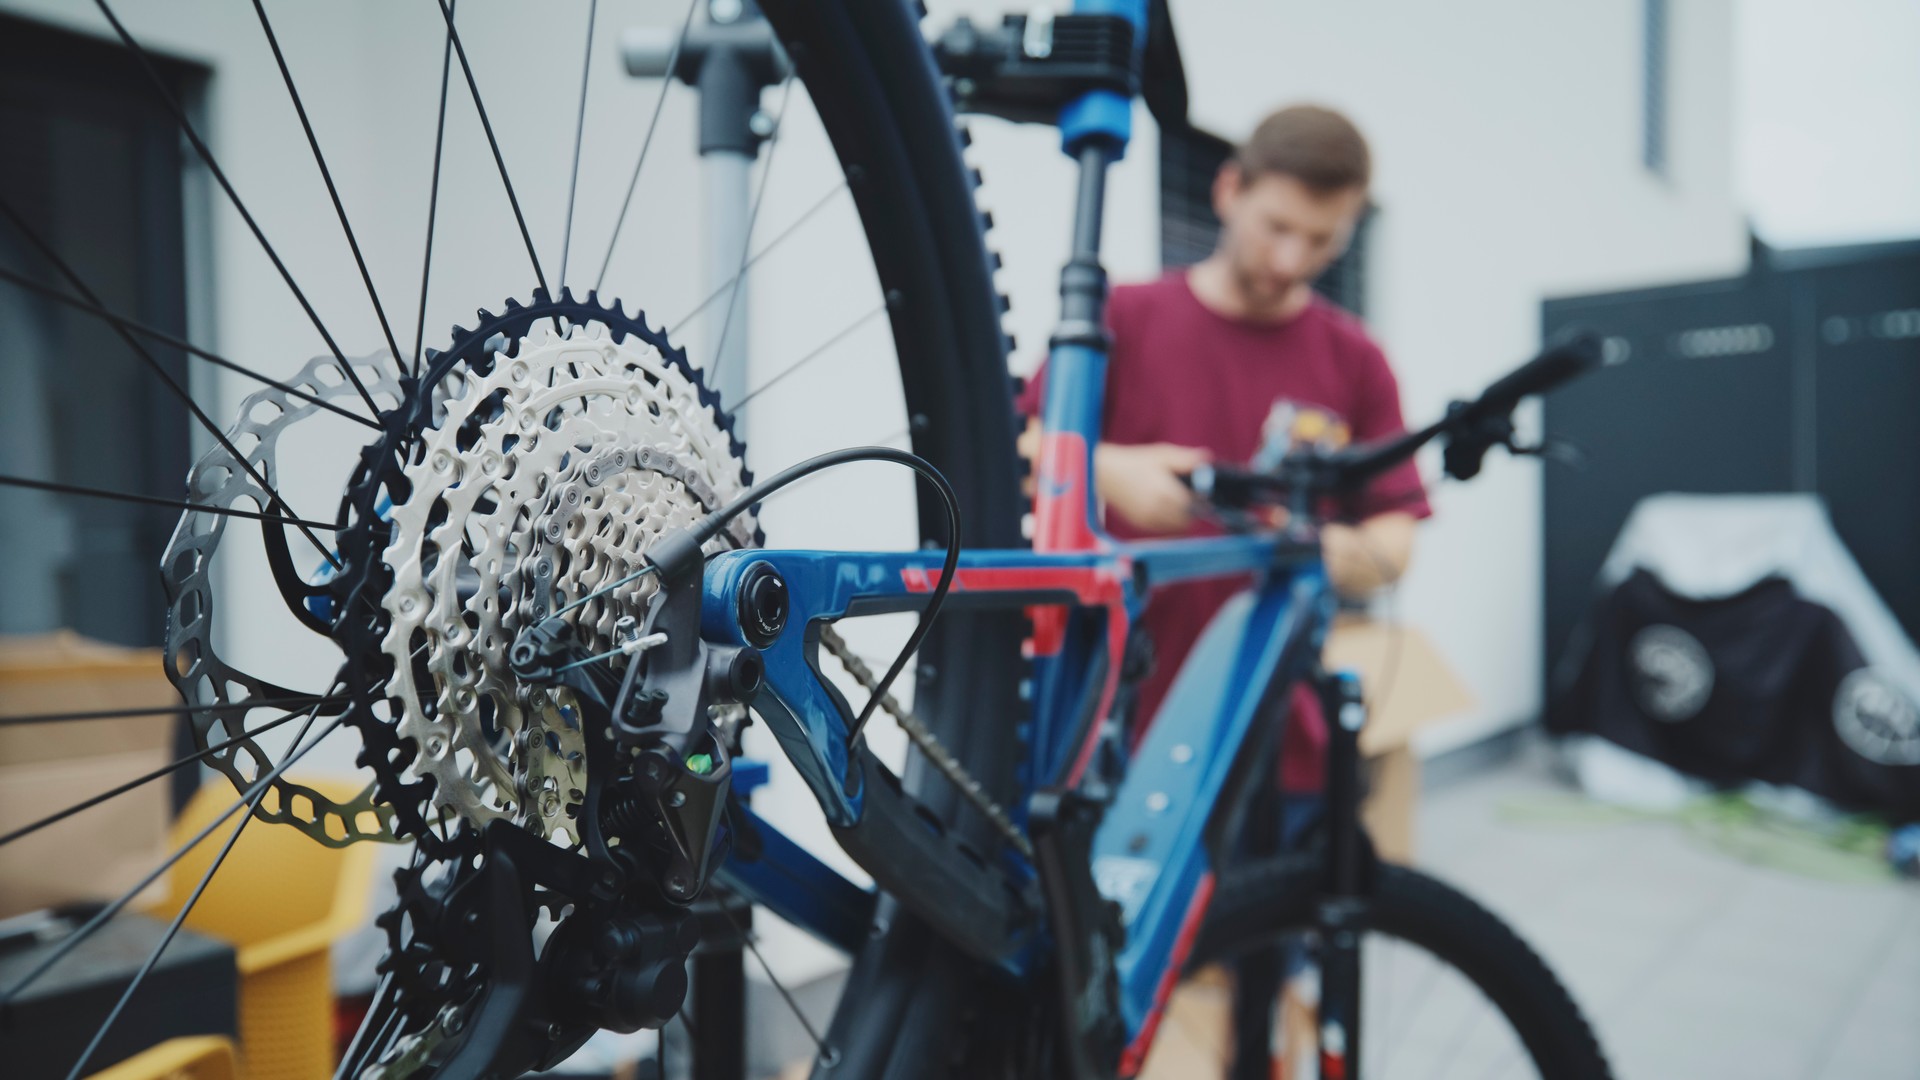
[219,693]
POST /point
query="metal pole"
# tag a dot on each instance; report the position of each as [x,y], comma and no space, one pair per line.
[730,57]
[725,201]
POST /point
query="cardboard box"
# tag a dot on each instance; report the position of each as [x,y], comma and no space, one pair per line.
[45,767]
[1408,689]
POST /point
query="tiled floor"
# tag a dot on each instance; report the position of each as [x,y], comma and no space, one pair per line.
[1691,963]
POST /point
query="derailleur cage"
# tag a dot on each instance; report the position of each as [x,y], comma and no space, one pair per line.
[657,772]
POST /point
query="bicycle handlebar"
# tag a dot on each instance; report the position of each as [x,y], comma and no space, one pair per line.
[1470,428]
[1562,362]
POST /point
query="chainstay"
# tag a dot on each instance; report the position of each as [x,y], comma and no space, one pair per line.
[930,745]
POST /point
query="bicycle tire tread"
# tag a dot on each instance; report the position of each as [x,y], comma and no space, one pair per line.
[1264,899]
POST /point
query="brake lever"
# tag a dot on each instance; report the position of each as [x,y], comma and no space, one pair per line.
[1466,447]
[1559,451]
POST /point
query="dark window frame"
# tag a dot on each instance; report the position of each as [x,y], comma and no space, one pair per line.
[97,167]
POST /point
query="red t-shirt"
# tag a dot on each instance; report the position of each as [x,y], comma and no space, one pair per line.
[1181,373]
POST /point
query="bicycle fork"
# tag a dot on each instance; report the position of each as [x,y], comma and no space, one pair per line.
[1349,857]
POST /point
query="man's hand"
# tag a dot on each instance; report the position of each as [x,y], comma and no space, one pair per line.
[1362,559]
[1142,482]
[1145,483]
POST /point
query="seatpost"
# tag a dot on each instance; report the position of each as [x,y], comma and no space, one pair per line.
[1093,131]
[1064,502]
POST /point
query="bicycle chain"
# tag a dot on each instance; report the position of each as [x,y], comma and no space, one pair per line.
[929,744]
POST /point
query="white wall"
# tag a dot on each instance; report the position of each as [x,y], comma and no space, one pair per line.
[1826,142]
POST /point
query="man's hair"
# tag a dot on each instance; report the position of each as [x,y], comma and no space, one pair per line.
[1316,146]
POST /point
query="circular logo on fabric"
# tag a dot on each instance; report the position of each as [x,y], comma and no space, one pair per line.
[1671,673]
[1879,722]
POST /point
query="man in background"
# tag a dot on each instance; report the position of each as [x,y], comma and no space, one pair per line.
[1233,360]
[1238,352]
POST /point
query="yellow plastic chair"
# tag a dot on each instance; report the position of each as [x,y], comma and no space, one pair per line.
[282,900]
[197,1057]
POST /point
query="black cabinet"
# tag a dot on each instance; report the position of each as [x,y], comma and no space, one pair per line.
[1802,376]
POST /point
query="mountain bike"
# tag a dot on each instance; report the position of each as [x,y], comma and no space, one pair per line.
[556,609]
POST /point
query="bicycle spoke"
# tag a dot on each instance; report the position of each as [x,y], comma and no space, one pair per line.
[153,363]
[180,917]
[1392,985]
[753,215]
[167,710]
[433,195]
[1414,1008]
[818,205]
[1463,1035]
[818,351]
[746,935]
[326,174]
[473,88]
[169,340]
[213,168]
[100,917]
[360,1045]
[62,815]
[579,135]
[171,504]
[1452,1054]
[673,60]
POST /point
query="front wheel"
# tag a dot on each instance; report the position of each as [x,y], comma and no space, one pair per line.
[1446,988]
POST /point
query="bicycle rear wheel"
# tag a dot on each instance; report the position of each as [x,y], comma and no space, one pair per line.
[912,1002]
[1448,989]
[887,118]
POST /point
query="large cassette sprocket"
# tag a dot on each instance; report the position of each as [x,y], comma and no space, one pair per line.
[525,474]
[541,484]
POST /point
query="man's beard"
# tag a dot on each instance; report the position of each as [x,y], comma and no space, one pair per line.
[1260,292]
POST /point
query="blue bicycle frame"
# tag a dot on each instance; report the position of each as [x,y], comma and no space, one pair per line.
[1152,853]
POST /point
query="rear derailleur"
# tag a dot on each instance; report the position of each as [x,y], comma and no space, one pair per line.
[651,828]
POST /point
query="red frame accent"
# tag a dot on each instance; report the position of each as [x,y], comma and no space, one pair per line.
[1063,496]
[1136,1052]
[1093,586]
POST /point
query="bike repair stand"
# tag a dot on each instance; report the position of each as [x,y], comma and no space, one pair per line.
[729,58]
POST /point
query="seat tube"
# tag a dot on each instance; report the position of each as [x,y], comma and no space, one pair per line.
[1093,131]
